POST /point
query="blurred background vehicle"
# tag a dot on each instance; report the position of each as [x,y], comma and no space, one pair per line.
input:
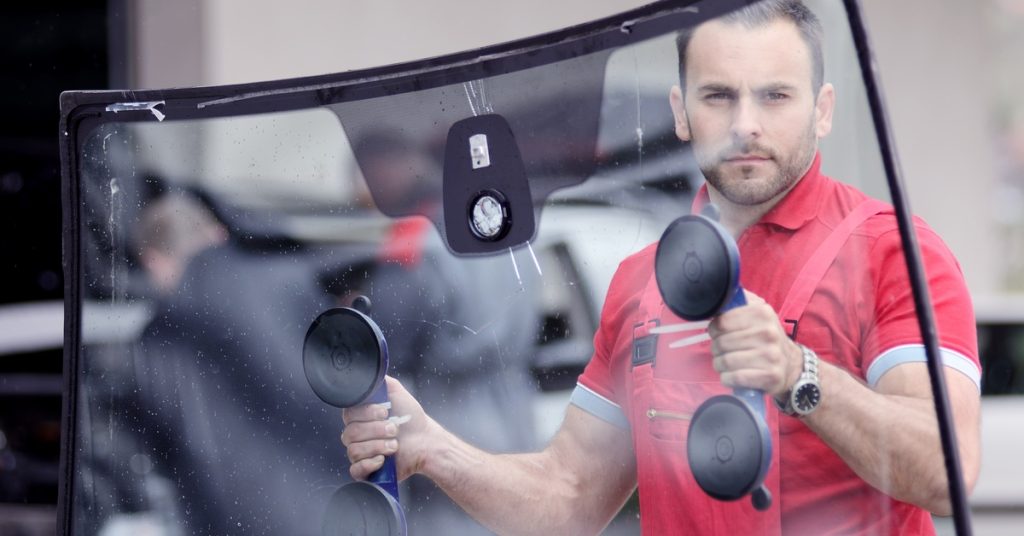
[997,500]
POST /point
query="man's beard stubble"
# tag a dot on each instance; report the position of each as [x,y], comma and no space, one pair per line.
[745,191]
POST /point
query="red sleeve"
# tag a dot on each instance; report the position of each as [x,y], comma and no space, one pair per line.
[895,321]
[613,340]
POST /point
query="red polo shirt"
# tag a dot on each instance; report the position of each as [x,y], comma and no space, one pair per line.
[861,318]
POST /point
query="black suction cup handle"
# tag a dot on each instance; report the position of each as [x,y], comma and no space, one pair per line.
[761,498]
[362,304]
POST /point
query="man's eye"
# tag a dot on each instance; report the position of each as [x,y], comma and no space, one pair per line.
[776,96]
[721,96]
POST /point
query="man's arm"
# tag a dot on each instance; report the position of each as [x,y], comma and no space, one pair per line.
[888,435]
[574,486]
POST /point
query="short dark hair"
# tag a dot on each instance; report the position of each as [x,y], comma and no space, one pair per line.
[760,14]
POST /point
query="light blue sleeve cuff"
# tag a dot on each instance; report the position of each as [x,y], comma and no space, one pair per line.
[914,353]
[598,406]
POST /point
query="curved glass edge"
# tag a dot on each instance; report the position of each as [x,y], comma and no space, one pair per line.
[189,103]
[73,282]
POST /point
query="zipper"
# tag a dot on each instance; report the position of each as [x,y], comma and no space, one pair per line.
[662,414]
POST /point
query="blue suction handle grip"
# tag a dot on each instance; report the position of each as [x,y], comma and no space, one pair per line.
[760,497]
[738,300]
[753,397]
[387,476]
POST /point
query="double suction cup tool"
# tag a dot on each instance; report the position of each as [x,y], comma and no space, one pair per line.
[345,358]
[729,446]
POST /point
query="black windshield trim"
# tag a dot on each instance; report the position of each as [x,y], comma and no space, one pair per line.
[616,31]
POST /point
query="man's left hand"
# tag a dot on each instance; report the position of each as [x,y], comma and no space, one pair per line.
[751,349]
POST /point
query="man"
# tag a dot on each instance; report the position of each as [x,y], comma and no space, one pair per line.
[866,459]
[208,369]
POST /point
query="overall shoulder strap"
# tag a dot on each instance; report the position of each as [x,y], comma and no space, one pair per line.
[814,269]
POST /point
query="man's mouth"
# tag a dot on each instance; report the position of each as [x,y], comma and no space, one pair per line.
[747,159]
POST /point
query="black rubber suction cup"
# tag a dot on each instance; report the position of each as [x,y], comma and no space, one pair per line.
[344,357]
[725,448]
[697,267]
[363,509]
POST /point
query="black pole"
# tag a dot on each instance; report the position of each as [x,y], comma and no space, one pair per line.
[918,282]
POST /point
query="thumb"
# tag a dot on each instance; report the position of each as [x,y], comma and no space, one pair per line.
[752,298]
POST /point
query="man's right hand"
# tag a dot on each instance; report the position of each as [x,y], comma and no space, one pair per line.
[574,486]
[369,435]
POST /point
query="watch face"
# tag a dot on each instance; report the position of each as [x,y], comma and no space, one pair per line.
[806,398]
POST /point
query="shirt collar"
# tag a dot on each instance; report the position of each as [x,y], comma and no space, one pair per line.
[798,207]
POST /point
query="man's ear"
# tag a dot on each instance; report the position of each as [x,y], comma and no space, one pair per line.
[675,99]
[823,109]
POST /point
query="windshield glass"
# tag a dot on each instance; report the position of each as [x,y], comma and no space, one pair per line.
[503,222]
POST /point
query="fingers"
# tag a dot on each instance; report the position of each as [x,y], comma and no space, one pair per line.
[361,469]
[371,434]
[365,413]
[368,456]
[750,338]
[762,380]
[753,314]
[371,449]
[358,432]
[750,348]
[733,361]
[763,368]
[368,437]
[752,299]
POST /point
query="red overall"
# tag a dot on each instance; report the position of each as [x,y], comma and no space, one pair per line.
[668,384]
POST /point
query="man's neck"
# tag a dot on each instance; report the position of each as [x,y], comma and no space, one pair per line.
[737,218]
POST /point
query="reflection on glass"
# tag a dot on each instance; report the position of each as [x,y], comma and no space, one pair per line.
[209,245]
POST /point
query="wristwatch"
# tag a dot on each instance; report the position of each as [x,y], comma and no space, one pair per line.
[805,396]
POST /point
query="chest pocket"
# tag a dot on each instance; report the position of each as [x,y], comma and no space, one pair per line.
[668,391]
[670,383]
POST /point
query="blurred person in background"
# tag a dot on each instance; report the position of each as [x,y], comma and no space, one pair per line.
[176,228]
[222,411]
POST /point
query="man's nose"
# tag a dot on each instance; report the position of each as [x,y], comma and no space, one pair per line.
[746,124]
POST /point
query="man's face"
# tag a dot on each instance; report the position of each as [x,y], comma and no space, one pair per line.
[750,110]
